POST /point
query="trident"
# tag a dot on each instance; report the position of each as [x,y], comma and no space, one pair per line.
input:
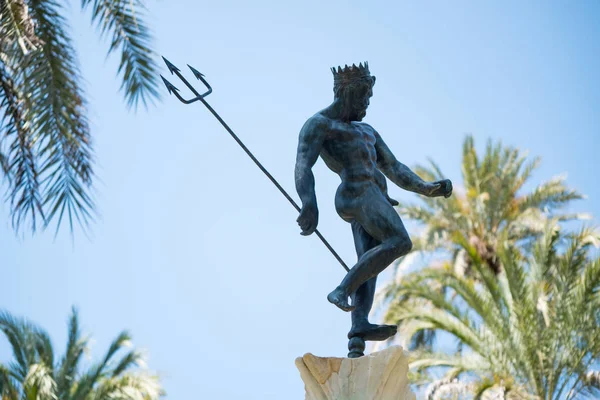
[200,97]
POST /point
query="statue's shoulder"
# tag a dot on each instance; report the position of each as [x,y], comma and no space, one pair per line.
[317,122]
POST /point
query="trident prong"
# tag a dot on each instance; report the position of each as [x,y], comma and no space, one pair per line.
[172,89]
[198,75]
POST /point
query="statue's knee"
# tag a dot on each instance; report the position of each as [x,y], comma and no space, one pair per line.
[402,245]
[407,245]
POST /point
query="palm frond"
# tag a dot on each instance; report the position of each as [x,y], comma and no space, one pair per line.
[100,370]
[458,363]
[3,161]
[512,288]
[57,110]
[122,21]
[8,387]
[45,143]
[123,340]
[550,195]
[33,376]
[535,322]
[20,163]
[76,346]
[130,360]
[15,331]
[520,179]
[43,347]
[470,163]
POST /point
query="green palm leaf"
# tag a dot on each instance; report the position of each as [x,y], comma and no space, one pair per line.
[34,376]
[58,110]
[46,150]
[19,163]
[532,330]
[492,203]
[122,21]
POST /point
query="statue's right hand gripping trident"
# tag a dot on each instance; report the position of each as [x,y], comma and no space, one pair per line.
[308,219]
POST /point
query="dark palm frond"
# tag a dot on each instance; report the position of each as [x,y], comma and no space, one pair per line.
[14,330]
[76,346]
[3,161]
[123,340]
[87,381]
[8,386]
[20,163]
[122,21]
[100,370]
[57,111]
[44,350]
[45,144]
[130,360]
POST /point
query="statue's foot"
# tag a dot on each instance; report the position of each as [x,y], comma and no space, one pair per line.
[373,332]
[340,299]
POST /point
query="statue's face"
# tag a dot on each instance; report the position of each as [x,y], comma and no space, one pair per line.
[358,100]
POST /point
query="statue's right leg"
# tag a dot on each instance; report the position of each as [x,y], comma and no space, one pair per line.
[362,299]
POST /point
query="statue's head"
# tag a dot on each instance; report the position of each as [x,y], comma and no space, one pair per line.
[353,86]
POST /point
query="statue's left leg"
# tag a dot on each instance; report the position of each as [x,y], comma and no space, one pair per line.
[363,297]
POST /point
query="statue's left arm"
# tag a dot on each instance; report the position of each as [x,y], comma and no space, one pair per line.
[402,176]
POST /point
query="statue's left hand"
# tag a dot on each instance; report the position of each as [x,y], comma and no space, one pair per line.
[441,188]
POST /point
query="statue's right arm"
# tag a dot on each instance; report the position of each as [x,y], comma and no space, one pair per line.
[312,136]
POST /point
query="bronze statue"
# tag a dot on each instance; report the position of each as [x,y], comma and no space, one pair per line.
[358,154]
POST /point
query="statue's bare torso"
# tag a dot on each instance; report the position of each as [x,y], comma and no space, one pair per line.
[349,150]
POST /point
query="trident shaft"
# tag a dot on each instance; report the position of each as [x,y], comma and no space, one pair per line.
[200,97]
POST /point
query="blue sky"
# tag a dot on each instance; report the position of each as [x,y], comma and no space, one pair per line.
[197,253]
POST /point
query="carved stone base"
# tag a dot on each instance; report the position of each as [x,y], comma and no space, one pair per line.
[379,376]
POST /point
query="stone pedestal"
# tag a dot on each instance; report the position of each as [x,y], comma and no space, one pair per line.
[379,376]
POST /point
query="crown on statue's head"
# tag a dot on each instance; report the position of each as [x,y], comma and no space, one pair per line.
[351,74]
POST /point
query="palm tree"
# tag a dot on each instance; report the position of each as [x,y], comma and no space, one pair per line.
[46,152]
[493,203]
[529,331]
[37,374]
